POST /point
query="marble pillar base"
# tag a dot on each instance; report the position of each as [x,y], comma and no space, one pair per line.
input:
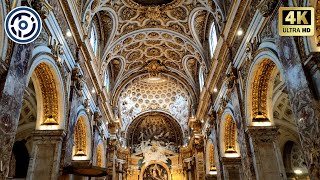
[267,157]
[45,159]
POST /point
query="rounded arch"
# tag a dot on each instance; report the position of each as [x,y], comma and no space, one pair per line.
[145,113]
[82,138]
[20,159]
[88,17]
[192,22]
[215,11]
[168,125]
[120,69]
[50,92]
[293,160]
[259,89]
[153,163]
[229,146]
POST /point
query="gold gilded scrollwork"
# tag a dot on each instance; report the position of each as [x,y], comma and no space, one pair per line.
[80,138]
[260,91]
[230,135]
[49,94]
[99,156]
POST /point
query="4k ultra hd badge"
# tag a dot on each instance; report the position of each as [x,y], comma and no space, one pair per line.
[23,25]
[296,21]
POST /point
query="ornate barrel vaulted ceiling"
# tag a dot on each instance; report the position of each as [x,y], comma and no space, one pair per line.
[152,37]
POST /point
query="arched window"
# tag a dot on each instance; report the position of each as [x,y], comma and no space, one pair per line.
[213,39]
[106,80]
[94,39]
[201,79]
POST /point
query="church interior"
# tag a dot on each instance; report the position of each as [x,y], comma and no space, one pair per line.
[160,90]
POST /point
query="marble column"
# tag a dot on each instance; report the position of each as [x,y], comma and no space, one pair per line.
[74,101]
[305,106]
[231,168]
[242,136]
[71,127]
[266,153]
[11,98]
[45,160]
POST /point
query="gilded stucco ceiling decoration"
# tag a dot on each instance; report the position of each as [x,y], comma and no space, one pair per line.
[200,23]
[154,127]
[260,88]
[115,68]
[106,25]
[211,156]
[80,138]
[99,156]
[230,135]
[154,94]
[143,31]
[281,107]
[29,106]
[28,115]
[297,159]
[49,94]
[171,50]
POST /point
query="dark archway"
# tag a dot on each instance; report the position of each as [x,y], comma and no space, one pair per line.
[22,158]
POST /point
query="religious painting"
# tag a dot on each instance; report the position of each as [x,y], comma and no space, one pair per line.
[155,172]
